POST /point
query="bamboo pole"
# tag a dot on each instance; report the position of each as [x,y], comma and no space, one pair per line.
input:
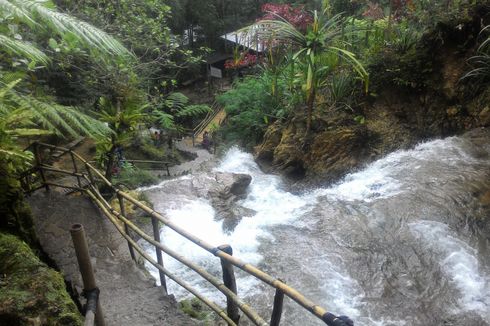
[85,265]
[126,230]
[208,277]
[89,172]
[186,286]
[158,251]
[49,168]
[54,184]
[230,283]
[37,157]
[277,309]
[75,168]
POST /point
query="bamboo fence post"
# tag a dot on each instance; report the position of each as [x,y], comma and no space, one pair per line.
[90,176]
[156,236]
[85,265]
[37,156]
[126,229]
[277,309]
[230,282]
[75,168]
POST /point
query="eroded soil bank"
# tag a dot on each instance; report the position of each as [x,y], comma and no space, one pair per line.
[413,97]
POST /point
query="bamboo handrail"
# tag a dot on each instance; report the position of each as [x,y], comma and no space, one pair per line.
[186,286]
[292,293]
[202,272]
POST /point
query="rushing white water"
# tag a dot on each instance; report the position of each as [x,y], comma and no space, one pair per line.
[385,246]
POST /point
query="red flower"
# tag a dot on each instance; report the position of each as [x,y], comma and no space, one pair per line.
[247,60]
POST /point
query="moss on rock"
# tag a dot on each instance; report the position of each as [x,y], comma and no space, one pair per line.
[197,310]
[31,293]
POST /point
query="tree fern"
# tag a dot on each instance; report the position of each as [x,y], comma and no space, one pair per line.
[193,110]
[176,101]
[165,120]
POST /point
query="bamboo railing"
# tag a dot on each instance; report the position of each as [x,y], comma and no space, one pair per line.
[215,109]
[88,179]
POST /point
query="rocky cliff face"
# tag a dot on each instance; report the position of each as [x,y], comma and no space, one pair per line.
[424,99]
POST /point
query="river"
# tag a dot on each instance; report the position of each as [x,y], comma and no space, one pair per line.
[404,241]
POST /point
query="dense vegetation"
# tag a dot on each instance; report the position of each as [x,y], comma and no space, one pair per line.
[322,62]
[110,70]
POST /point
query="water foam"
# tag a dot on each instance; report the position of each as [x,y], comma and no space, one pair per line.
[459,263]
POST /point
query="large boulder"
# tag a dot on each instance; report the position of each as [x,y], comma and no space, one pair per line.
[224,195]
[223,190]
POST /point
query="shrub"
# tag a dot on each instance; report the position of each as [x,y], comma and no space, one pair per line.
[251,107]
[134,177]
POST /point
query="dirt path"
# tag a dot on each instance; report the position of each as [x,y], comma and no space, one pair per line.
[128,293]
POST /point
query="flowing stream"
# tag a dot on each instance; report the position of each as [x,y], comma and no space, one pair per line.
[404,241]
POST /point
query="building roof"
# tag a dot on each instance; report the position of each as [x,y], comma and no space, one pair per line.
[247,37]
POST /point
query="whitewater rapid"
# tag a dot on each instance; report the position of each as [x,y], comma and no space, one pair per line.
[392,244]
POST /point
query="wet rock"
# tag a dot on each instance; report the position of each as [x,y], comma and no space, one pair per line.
[223,190]
[484,116]
[228,185]
[224,194]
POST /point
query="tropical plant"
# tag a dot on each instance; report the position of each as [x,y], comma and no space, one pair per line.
[122,116]
[39,15]
[251,107]
[170,113]
[23,112]
[481,61]
[23,115]
[322,37]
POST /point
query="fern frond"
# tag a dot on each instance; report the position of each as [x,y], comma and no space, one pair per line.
[55,118]
[66,24]
[193,110]
[23,49]
[7,8]
[165,120]
[176,101]
[24,132]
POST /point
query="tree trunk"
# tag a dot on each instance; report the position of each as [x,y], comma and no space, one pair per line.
[110,161]
[310,102]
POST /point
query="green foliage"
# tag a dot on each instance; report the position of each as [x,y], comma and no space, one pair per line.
[171,113]
[250,108]
[196,309]
[34,14]
[480,62]
[23,115]
[152,152]
[340,89]
[134,177]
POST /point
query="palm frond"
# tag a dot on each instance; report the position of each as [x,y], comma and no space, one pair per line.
[23,49]
[356,64]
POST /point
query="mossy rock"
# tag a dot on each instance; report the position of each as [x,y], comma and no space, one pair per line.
[31,293]
[197,310]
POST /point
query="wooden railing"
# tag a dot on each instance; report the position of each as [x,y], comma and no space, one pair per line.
[215,108]
[88,180]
